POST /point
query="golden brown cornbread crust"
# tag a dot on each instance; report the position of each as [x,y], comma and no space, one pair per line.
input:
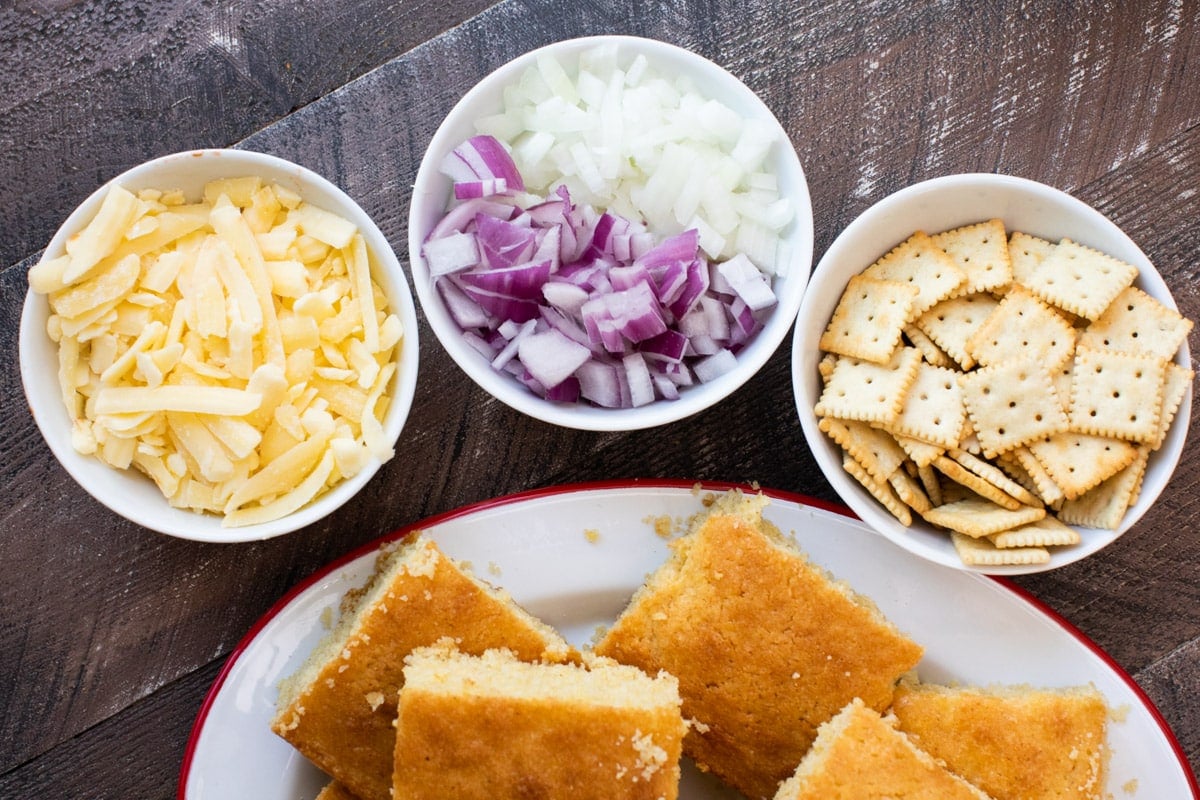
[335,791]
[477,738]
[859,756]
[339,708]
[765,646]
[1013,742]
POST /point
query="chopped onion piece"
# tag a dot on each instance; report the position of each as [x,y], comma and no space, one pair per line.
[551,357]
[452,253]
[714,366]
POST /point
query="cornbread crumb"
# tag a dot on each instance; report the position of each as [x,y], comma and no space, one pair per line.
[1130,786]
[591,534]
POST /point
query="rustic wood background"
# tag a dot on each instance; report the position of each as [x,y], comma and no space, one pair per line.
[110,635]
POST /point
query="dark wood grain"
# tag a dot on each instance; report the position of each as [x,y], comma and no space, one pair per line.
[109,634]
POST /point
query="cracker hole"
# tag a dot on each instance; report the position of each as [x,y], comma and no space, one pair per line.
[1012,403]
[1000,431]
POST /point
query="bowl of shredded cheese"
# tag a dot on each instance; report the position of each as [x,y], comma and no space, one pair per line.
[219,345]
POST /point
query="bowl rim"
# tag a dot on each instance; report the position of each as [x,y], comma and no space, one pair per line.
[582,416]
[45,404]
[805,379]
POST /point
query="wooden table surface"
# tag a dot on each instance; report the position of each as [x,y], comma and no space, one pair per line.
[110,635]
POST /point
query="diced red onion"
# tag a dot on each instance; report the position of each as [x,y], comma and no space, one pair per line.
[551,357]
[521,281]
[482,158]
[747,282]
[452,253]
[641,388]
[581,305]
[465,190]
[714,366]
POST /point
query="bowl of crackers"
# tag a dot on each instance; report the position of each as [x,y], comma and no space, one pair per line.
[219,345]
[992,374]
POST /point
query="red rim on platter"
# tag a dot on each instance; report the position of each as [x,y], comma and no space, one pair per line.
[1022,601]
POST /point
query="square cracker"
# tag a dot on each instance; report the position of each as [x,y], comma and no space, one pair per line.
[961,475]
[1175,387]
[981,251]
[1077,461]
[909,490]
[869,392]
[976,517]
[918,262]
[952,322]
[1036,480]
[880,490]
[1105,505]
[1081,280]
[869,318]
[1023,324]
[1012,403]
[995,476]
[929,349]
[1027,254]
[1135,322]
[933,408]
[982,553]
[1117,394]
[1046,532]
[922,453]
[874,449]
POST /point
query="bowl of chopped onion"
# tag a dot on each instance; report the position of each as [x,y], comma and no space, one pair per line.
[219,345]
[610,233]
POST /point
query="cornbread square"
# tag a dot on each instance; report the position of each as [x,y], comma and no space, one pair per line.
[858,755]
[981,251]
[1012,741]
[338,708]
[918,262]
[1081,280]
[869,318]
[493,726]
[756,634]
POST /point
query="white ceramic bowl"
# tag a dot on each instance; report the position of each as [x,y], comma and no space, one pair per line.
[432,190]
[937,205]
[130,493]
